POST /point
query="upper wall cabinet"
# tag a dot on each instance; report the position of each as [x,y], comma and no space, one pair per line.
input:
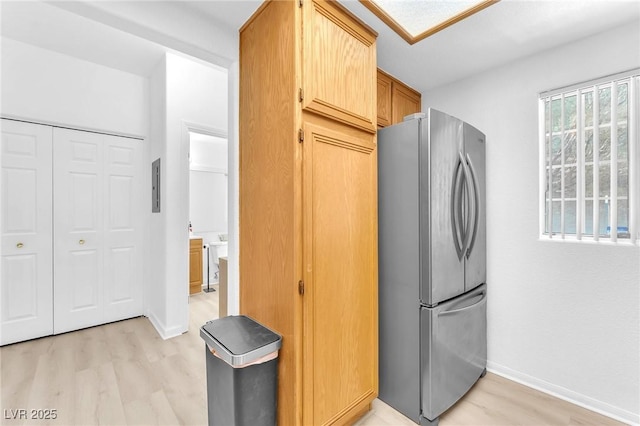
[395,100]
[339,62]
[404,101]
[384,99]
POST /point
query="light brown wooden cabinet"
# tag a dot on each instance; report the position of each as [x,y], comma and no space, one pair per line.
[308,204]
[195,265]
[385,89]
[395,100]
[338,66]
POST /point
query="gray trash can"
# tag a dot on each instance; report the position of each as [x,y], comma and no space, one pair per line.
[242,371]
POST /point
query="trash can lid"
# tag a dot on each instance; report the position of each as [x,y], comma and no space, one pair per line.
[239,339]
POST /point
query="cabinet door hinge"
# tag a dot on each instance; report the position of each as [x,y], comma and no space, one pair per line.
[301,287]
[300,95]
[300,136]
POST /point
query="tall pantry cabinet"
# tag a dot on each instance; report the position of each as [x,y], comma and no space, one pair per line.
[308,203]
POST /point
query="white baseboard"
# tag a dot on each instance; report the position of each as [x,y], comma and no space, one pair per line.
[576,398]
[163,331]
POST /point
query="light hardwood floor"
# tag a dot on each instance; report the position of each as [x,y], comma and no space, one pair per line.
[124,373]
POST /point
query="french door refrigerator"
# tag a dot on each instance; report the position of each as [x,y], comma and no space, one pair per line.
[432,263]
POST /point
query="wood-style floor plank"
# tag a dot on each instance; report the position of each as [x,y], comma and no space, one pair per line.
[496,401]
[124,373]
[153,409]
[98,398]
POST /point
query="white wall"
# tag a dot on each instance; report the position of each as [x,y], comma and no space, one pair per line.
[156,285]
[195,94]
[166,23]
[199,36]
[562,316]
[50,87]
[195,35]
[208,151]
[233,274]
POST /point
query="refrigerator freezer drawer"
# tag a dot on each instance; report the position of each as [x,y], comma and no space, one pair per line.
[453,350]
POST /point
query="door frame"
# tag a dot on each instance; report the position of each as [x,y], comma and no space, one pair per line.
[186,127]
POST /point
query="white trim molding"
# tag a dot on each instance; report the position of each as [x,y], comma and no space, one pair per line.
[565,394]
[163,331]
[72,126]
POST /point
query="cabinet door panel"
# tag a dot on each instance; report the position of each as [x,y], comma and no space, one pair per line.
[26,297]
[195,265]
[339,66]
[384,99]
[83,290]
[122,276]
[340,267]
[405,101]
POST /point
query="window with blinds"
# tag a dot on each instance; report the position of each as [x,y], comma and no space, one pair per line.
[589,143]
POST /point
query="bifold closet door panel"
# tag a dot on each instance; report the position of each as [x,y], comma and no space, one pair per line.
[78,193]
[97,234]
[26,306]
[123,212]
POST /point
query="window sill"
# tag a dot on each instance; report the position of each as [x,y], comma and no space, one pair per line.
[603,241]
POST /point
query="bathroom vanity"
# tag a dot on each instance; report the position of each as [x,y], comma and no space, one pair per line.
[195,265]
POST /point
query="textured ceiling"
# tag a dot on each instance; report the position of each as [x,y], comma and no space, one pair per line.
[497,35]
[418,16]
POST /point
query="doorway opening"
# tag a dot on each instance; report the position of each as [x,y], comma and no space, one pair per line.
[208,201]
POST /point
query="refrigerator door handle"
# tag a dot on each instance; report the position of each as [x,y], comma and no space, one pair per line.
[476,298]
[476,205]
[467,226]
[456,210]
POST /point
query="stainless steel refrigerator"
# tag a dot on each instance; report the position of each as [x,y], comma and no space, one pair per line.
[432,260]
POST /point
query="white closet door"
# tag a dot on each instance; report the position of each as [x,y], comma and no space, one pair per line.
[78,229]
[97,192]
[123,242]
[26,265]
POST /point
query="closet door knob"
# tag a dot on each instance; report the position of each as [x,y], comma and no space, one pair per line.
[19,245]
[81,242]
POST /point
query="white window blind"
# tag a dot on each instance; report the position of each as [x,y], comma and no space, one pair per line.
[589,144]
